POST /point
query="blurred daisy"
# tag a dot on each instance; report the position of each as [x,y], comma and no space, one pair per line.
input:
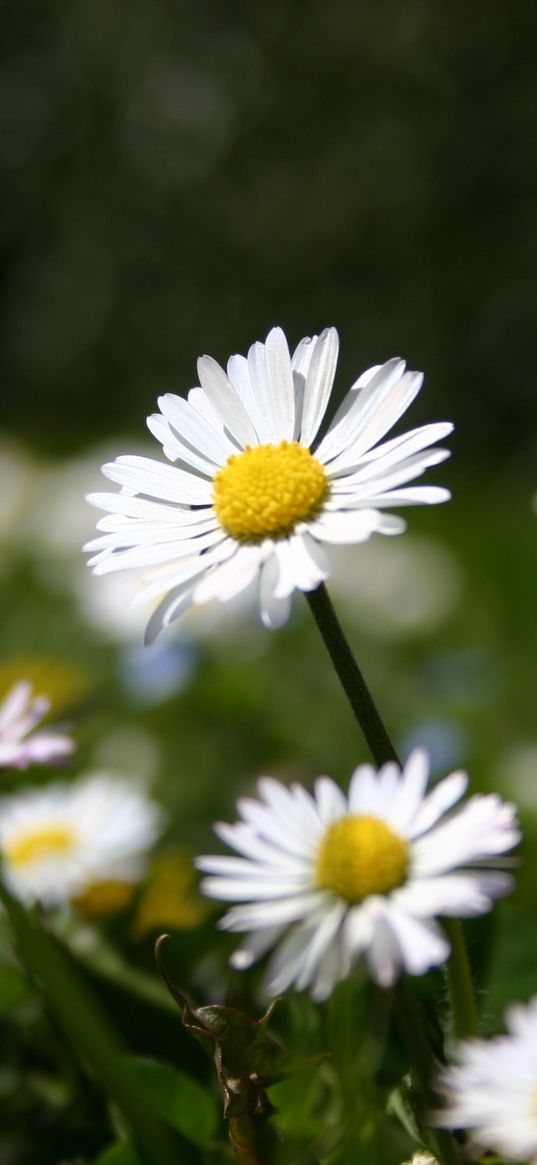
[58,841]
[20,746]
[254,491]
[358,877]
[492,1089]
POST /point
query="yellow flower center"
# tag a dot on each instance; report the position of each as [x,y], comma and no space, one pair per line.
[360,856]
[265,491]
[39,844]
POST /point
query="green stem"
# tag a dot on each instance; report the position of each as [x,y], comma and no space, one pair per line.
[461,987]
[350,676]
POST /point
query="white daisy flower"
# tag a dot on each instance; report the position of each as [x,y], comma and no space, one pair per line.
[358,877]
[58,841]
[254,491]
[20,746]
[492,1089]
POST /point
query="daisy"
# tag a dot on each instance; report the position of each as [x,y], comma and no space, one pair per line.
[19,714]
[492,1088]
[254,490]
[358,877]
[57,842]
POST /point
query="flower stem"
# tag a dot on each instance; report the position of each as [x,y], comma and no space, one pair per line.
[350,676]
[461,987]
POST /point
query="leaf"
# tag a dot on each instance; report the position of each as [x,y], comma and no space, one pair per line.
[178,1099]
[14,988]
[120,1153]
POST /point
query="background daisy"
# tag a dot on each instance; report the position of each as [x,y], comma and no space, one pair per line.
[338,879]
[20,746]
[57,842]
[492,1088]
[254,491]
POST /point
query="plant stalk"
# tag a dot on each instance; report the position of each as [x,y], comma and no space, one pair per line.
[350,676]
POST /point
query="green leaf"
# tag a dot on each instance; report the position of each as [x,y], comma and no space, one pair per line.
[121,1153]
[179,1100]
[14,988]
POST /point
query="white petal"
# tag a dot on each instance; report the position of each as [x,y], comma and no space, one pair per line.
[417,495]
[318,383]
[360,406]
[245,840]
[302,565]
[254,947]
[142,475]
[365,482]
[364,791]
[407,443]
[274,611]
[342,526]
[378,413]
[253,916]
[383,955]
[280,378]
[196,430]
[410,791]
[331,801]
[421,944]
[439,800]
[231,577]
[177,450]
[267,426]
[174,604]
[455,895]
[483,828]
[129,506]
[284,967]
[239,376]
[324,935]
[225,401]
[153,554]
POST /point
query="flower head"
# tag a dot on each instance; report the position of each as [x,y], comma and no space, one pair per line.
[358,877]
[58,842]
[20,746]
[255,491]
[492,1088]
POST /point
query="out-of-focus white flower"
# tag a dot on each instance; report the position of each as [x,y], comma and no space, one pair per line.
[20,746]
[408,587]
[59,841]
[358,877]
[492,1088]
[255,494]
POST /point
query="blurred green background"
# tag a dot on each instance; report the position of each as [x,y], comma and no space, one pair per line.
[177,178]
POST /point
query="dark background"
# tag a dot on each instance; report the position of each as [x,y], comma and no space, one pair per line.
[178,177]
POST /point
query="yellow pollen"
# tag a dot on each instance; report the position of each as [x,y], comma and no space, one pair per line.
[360,856]
[39,844]
[265,491]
